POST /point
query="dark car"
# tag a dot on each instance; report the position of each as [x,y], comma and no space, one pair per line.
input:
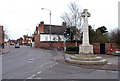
[17,46]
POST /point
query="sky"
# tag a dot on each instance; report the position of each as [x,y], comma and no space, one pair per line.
[20,17]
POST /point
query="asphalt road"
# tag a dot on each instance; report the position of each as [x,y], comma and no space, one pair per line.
[36,63]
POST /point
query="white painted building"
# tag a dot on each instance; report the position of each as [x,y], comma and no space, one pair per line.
[54,37]
[57,32]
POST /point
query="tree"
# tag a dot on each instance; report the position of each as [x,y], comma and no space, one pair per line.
[102,29]
[97,36]
[73,18]
[115,36]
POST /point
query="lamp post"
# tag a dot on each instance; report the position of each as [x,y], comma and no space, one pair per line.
[30,37]
[29,30]
[50,24]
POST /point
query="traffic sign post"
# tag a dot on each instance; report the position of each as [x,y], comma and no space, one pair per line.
[111,50]
[67,35]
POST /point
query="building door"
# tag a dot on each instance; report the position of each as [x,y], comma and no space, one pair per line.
[102,48]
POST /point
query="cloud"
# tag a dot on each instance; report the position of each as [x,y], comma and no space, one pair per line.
[19,15]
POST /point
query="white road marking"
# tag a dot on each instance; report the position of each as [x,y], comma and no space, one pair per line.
[38,78]
[107,71]
[31,77]
[39,72]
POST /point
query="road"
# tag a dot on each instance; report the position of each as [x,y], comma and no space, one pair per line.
[35,63]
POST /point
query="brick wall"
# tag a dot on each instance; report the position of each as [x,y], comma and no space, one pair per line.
[59,45]
[114,47]
[96,47]
[37,40]
[46,44]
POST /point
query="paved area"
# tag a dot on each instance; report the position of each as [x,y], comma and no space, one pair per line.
[23,62]
[6,49]
[111,65]
[36,63]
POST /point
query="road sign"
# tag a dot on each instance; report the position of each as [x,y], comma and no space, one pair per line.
[111,49]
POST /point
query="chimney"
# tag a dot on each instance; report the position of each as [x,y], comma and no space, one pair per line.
[41,27]
[36,31]
[1,27]
[64,24]
[42,22]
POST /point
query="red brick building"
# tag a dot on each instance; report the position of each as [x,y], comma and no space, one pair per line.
[1,35]
[26,40]
[20,41]
[12,42]
[42,33]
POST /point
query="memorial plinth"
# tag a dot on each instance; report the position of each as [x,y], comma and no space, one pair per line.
[86,60]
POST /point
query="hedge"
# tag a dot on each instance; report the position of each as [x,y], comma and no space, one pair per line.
[72,48]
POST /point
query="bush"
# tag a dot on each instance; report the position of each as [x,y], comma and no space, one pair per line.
[72,48]
[73,41]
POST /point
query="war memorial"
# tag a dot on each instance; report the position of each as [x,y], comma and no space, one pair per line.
[86,56]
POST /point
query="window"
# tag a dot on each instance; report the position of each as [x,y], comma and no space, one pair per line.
[46,38]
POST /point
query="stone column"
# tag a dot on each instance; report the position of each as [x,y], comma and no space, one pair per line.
[85,47]
[85,16]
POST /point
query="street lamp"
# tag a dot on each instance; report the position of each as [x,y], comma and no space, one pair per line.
[50,24]
[30,37]
[29,30]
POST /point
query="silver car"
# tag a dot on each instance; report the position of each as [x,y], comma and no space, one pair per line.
[17,46]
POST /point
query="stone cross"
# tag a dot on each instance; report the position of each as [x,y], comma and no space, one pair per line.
[85,14]
[85,47]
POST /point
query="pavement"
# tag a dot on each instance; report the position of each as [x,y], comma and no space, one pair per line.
[112,64]
[6,49]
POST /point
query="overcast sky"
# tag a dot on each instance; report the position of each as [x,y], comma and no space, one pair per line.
[19,17]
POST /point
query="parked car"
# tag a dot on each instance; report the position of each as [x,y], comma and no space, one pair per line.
[12,44]
[17,46]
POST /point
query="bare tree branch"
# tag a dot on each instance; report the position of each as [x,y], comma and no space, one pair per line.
[73,18]
[115,36]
